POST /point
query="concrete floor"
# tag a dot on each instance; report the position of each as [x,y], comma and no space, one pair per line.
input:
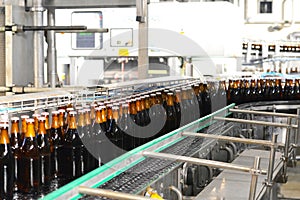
[291,190]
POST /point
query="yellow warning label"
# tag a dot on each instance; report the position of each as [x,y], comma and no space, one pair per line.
[123,52]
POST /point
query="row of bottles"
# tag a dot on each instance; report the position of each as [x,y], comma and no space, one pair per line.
[81,138]
[245,90]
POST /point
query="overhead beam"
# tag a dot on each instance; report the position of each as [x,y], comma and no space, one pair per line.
[63,4]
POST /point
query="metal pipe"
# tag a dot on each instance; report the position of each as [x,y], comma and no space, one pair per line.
[198,161]
[92,30]
[52,27]
[110,194]
[264,113]
[143,57]
[298,129]
[254,178]
[255,122]
[269,181]
[286,148]
[177,191]
[51,51]
[233,139]
[38,44]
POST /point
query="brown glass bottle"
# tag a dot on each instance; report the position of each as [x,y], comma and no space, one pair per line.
[196,88]
[83,131]
[206,100]
[246,95]
[47,123]
[160,113]
[23,126]
[36,121]
[56,141]
[229,91]
[99,137]
[16,143]
[43,142]
[253,89]
[297,89]
[278,89]
[29,175]
[185,107]
[70,156]
[235,92]
[6,165]
[222,94]
[126,125]
[62,121]
[171,122]
[140,118]
[177,105]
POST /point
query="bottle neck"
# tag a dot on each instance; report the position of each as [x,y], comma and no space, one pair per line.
[87,119]
[170,101]
[24,126]
[4,138]
[15,127]
[55,122]
[47,125]
[81,122]
[61,120]
[72,122]
[30,130]
[98,118]
[42,128]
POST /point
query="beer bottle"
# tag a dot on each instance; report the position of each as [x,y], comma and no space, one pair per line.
[99,138]
[36,121]
[177,107]
[56,141]
[222,94]
[206,100]
[253,89]
[171,122]
[114,133]
[246,96]
[30,172]
[186,111]
[229,91]
[297,89]
[6,165]
[126,126]
[278,89]
[140,118]
[259,91]
[144,110]
[83,135]
[89,114]
[47,123]
[23,126]
[272,89]
[147,108]
[70,156]
[62,121]
[15,142]
[43,142]
[160,112]
[193,103]
[198,97]
[244,90]
[235,92]
[288,89]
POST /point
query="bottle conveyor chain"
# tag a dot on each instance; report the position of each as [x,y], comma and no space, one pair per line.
[218,145]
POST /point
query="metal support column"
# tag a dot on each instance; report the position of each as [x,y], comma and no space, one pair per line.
[38,43]
[51,51]
[254,178]
[286,151]
[297,137]
[143,58]
[269,181]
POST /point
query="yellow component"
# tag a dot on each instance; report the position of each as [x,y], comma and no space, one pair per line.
[157,71]
[152,193]
[155,196]
[123,52]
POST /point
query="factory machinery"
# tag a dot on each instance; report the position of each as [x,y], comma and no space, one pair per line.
[236,152]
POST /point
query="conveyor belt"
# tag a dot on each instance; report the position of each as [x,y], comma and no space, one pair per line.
[135,179]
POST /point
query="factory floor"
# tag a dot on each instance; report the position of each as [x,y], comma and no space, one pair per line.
[291,190]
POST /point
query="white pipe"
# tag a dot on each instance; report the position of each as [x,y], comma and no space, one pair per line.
[177,191]
[38,44]
[51,51]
